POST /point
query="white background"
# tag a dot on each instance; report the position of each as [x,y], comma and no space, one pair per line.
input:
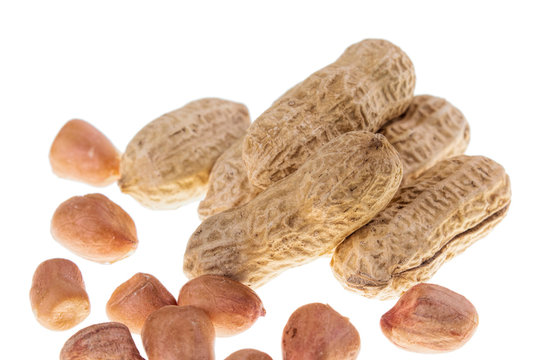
[119,65]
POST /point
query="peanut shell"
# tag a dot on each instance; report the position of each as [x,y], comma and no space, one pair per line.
[433,219]
[110,341]
[370,84]
[430,319]
[168,162]
[430,130]
[305,216]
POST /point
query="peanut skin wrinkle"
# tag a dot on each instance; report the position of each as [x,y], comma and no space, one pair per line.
[430,319]
[434,218]
[110,341]
[178,332]
[58,295]
[232,306]
[430,130]
[370,84]
[135,299]
[81,152]
[229,186]
[95,228]
[168,162]
[302,217]
[248,354]
[317,332]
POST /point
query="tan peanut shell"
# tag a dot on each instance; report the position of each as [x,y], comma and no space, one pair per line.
[248,354]
[95,228]
[318,332]
[232,306]
[135,299]
[430,130]
[371,83]
[168,162]
[429,318]
[178,332]
[229,186]
[58,295]
[436,217]
[81,152]
[304,216]
[110,341]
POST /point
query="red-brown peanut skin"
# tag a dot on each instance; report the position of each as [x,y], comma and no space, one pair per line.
[317,332]
[95,228]
[232,306]
[178,333]
[248,354]
[135,299]
[81,152]
[58,295]
[430,319]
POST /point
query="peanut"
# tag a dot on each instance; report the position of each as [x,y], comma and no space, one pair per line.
[229,186]
[433,219]
[111,341]
[58,295]
[431,130]
[317,332]
[371,83]
[134,300]
[81,152]
[430,318]
[232,306]
[339,189]
[248,354]
[178,332]
[94,227]
[168,162]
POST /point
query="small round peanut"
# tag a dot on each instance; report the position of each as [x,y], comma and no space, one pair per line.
[429,319]
[58,295]
[248,354]
[135,299]
[317,332]
[95,228]
[110,341]
[232,306]
[178,332]
[81,152]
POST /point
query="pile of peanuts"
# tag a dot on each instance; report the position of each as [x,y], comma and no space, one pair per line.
[347,163]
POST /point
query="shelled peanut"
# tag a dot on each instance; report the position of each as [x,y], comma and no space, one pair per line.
[58,295]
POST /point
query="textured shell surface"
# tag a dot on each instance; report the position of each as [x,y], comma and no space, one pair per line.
[430,130]
[371,83]
[168,162]
[228,186]
[304,216]
[428,222]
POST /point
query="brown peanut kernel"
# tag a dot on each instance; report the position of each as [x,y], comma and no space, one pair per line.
[317,332]
[430,318]
[135,299]
[178,332]
[232,306]
[95,228]
[81,152]
[58,295]
[248,354]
